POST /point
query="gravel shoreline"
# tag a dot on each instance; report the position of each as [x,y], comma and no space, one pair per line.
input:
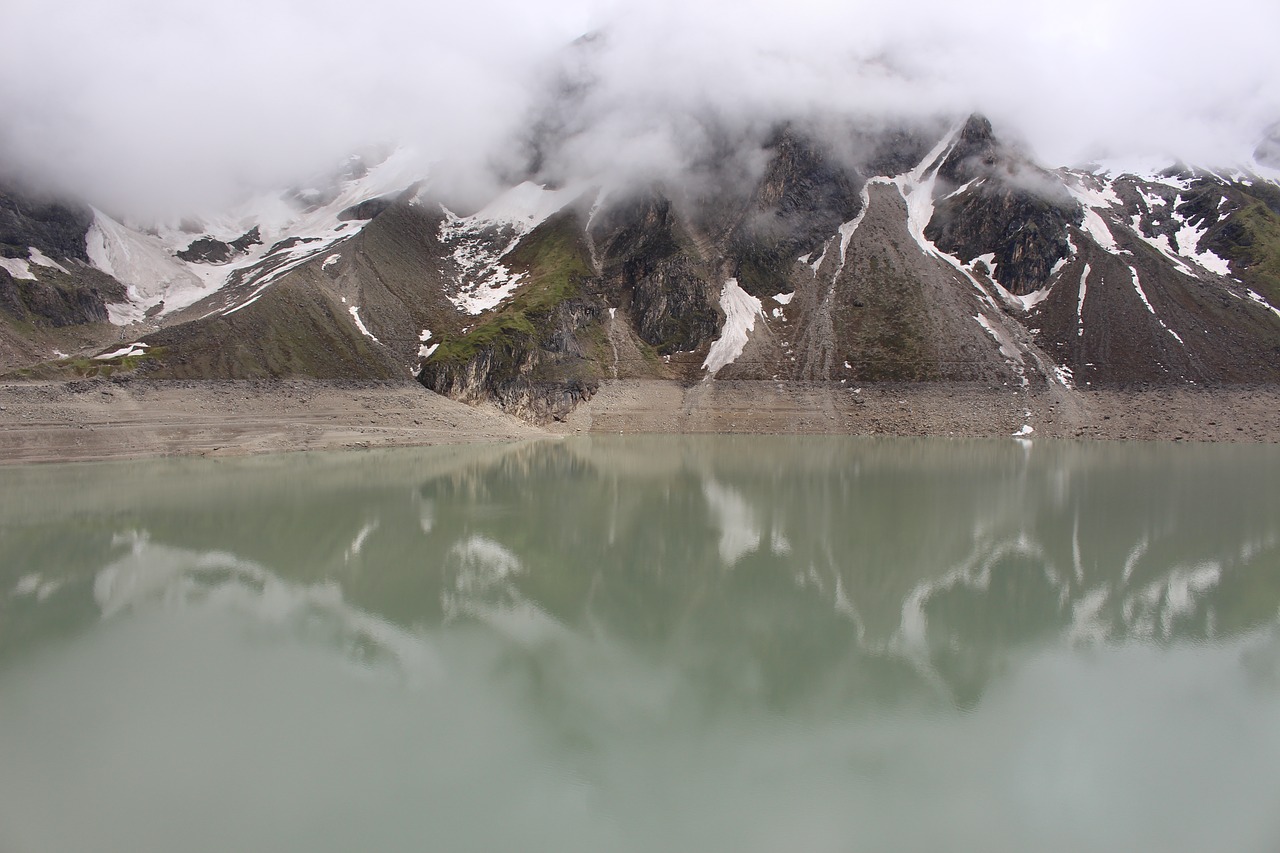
[105,419]
[972,410]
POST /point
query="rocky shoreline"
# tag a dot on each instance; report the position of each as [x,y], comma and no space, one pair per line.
[132,418]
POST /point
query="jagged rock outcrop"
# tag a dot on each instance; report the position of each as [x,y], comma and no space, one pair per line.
[992,201]
[803,196]
[56,228]
[58,299]
[210,250]
[540,377]
[649,260]
[539,355]
[46,282]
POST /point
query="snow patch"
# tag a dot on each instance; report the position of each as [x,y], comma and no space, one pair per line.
[138,348]
[784,298]
[425,350]
[39,257]
[1084,287]
[1027,301]
[529,204]
[21,267]
[1094,194]
[145,267]
[1161,244]
[481,241]
[1188,239]
[17,267]
[916,188]
[963,189]
[252,299]
[1257,297]
[740,311]
[816,265]
[1094,190]
[1007,347]
[1137,285]
[989,260]
[1097,228]
[354,310]
[331,260]
[306,233]
[1024,302]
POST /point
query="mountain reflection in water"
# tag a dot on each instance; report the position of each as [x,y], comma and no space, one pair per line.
[846,617]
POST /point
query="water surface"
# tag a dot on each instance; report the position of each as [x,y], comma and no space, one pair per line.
[646,643]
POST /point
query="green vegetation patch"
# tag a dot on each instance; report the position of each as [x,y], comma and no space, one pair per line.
[1251,238]
[80,367]
[555,263]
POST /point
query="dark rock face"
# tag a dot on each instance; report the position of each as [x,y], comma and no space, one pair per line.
[250,238]
[1012,209]
[206,250]
[540,353]
[976,153]
[894,151]
[540,377]
[672,307]
[1026,232]
[59,300]
[646,258]
[209,250]
[55,228]
[802,198]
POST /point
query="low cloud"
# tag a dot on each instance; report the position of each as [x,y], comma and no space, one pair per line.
[155,106]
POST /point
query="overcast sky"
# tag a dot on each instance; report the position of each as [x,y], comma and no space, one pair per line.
[161,104]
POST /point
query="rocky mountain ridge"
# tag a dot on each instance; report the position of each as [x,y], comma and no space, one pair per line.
[904,252]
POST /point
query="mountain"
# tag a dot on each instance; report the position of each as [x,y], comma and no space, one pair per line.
[841,251]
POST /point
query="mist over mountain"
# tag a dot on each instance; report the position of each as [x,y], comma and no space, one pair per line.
[149,109]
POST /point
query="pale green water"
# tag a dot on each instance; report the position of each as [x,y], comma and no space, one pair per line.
[648,644]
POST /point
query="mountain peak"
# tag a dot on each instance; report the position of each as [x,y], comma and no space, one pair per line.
[974,154]
[1268,151]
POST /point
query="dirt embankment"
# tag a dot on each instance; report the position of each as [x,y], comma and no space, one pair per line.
[973,410]
[101,419]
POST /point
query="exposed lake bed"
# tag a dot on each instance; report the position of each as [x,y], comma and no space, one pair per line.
[644,642]
[103,419]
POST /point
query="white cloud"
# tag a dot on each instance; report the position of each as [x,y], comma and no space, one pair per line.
[155,103]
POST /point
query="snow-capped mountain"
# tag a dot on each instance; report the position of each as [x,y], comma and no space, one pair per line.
[911,251]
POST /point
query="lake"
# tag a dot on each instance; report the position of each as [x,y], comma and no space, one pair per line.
[646,644]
